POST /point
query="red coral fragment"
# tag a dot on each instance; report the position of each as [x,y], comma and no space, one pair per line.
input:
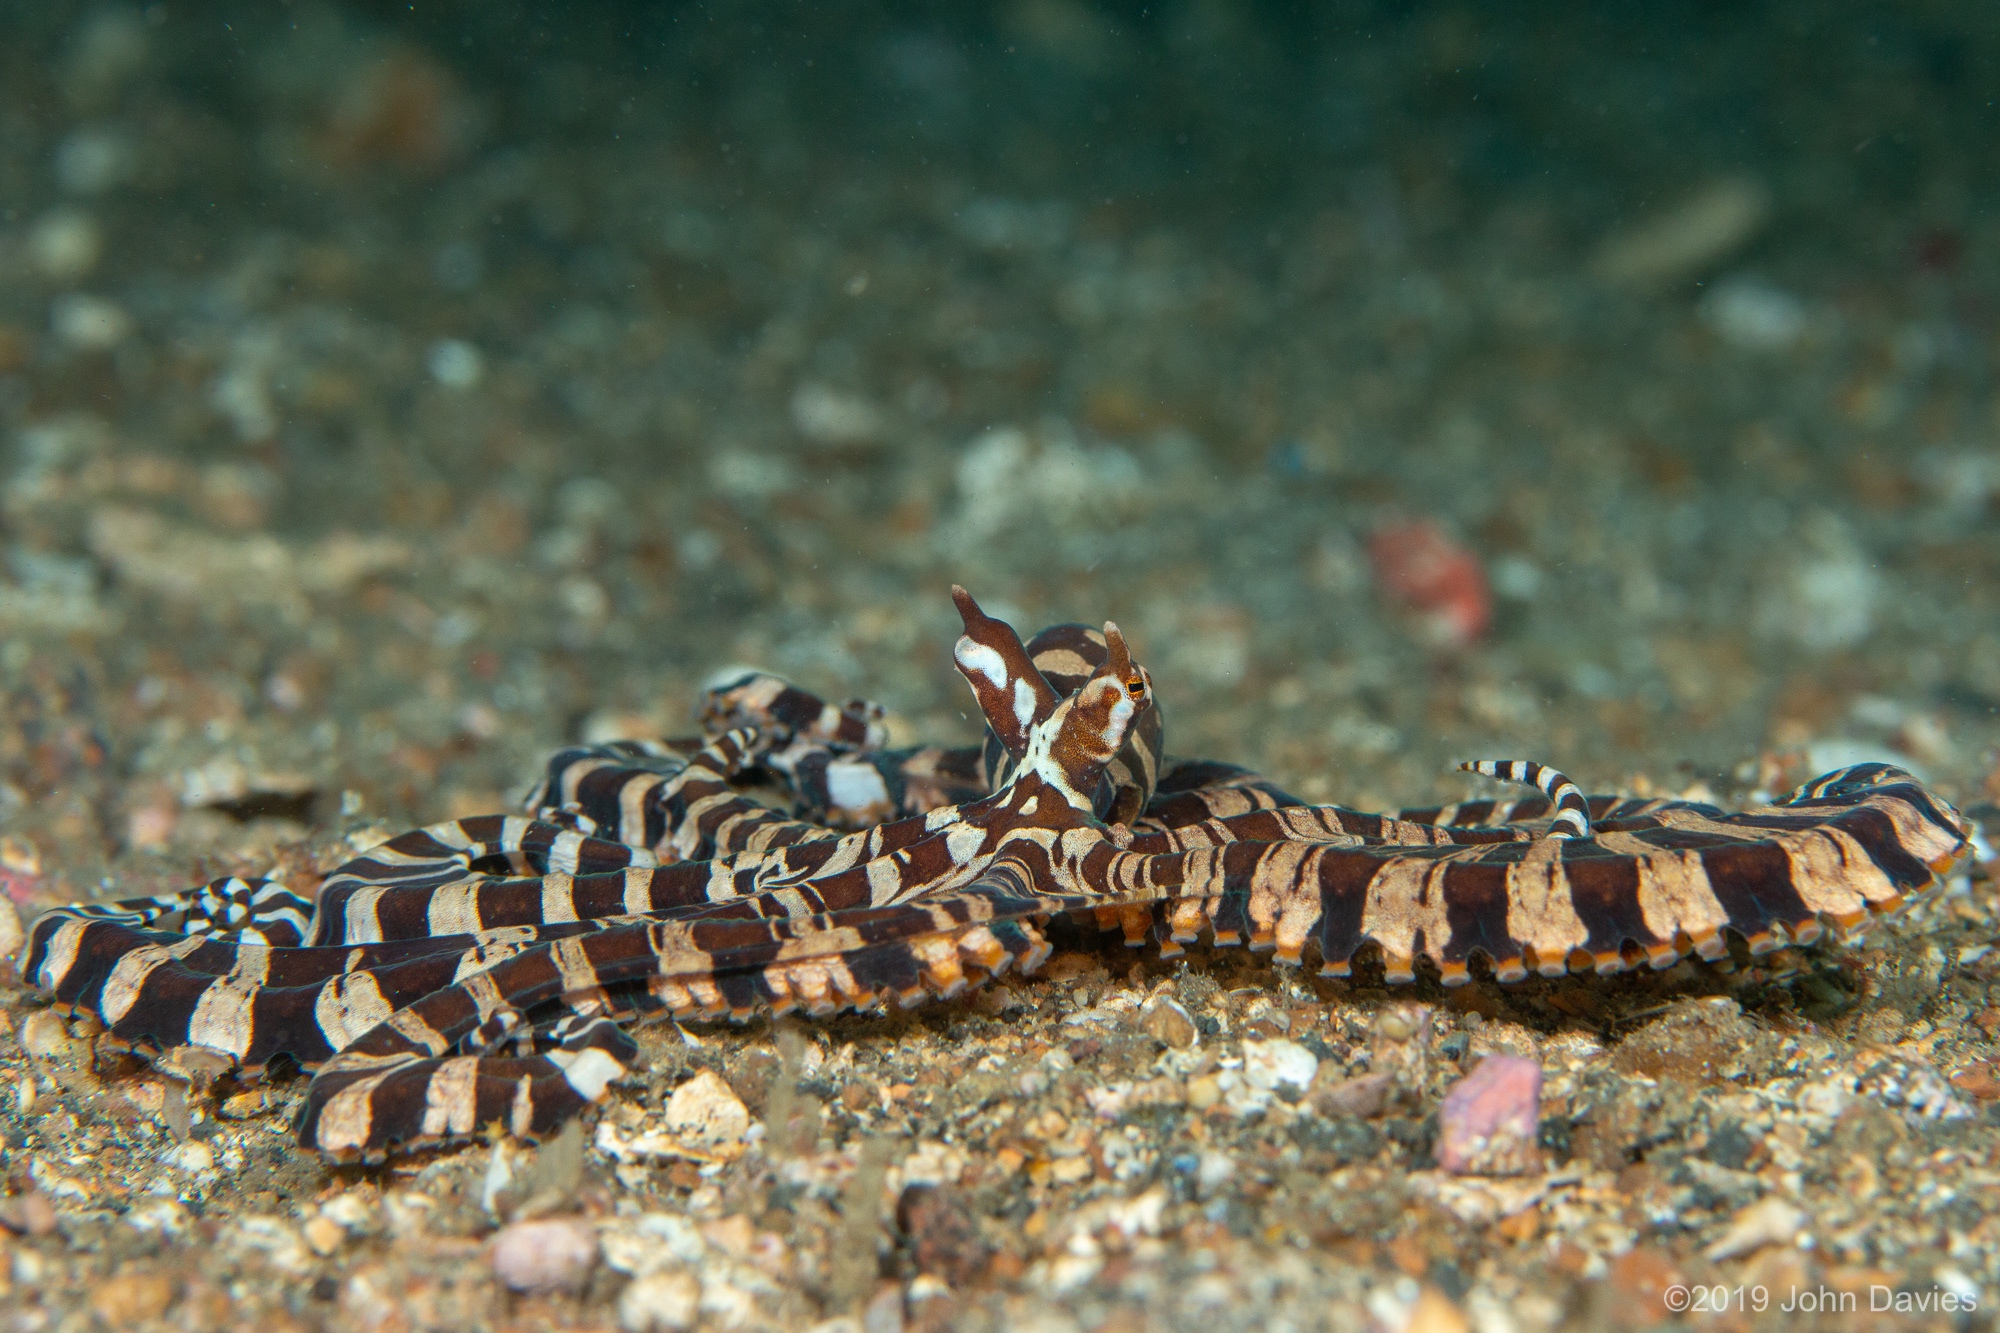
[1419,567]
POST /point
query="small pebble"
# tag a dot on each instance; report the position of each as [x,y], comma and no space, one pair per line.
[1071,1170]
[1419,567]
[1203,1092]
[1435,1312]
[30,1214]
[1826,595]
[660,1303]
[456,364]
[20,856]
[1769,1221]
[550,1254]
[45,1036]
[924,1287]
[1278,1063]
[1753,316]
[132,1298]
[191,1157]
[1489,1120]
[884,1311]
[89,323]
[704,1112]
[944,1235]
[1165,1019]
[1703,229]
[1399,1045]
[1364,1097]
[352,1212]
[1214,1171]
[65,244]
[826,416]
[324,1235]
[92,160]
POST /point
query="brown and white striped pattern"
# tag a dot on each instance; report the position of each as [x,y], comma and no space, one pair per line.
[1571,817]
[478,971]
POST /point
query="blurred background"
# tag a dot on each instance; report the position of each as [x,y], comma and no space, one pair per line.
[387,397]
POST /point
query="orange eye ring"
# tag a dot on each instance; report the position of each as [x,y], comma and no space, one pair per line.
[1136,687]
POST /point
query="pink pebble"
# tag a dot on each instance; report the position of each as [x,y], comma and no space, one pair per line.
[554,1254]
[1418,566]
[1489,1121]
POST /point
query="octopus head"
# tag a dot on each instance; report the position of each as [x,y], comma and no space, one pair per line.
[1089,728]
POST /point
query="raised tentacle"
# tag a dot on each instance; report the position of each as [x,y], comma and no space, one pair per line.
[1572,807]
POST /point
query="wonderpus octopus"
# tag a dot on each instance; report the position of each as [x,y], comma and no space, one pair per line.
[476,972]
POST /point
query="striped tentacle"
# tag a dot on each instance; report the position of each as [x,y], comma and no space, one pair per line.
[445,879]
[1572,808]
[1668,884]
[259,911]
[1192,791]
[706,818]
[746,699]
[604,790]
[674,799]
[1313,824]
[403,1082]
[835,763]
[154,991]
[256,911]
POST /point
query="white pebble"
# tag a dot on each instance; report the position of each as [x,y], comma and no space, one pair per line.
[240,394]
[456,364]
[1833,602]
[1270,1065]
[1753,316]
[44,1035]
[89,323]
[704,1112]
[161,1216]
[748,476]
[1963,482]
[1677,244]
[1769,1221]
[554,1254]
[827,416]
[65,244]
[191,1157]
[1958,1284]
[1823,1100]
[660,1301]
[92,160]
[351,1211]
[1824,596]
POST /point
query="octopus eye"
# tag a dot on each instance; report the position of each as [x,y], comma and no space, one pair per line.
[1135,687]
